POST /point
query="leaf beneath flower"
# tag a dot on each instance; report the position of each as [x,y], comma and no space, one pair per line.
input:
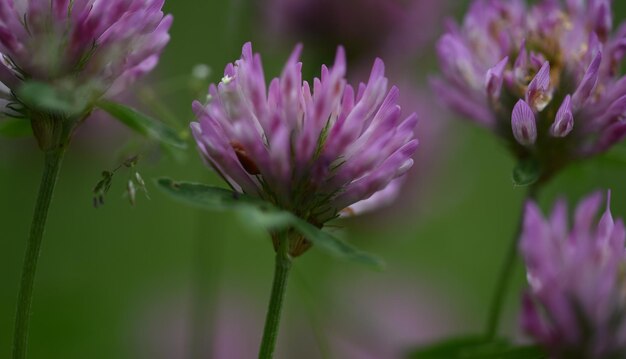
[15,127]
[143,124]
[262,214]
[477,347]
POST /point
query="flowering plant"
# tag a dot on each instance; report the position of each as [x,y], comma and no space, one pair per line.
[58,59]
[297,155]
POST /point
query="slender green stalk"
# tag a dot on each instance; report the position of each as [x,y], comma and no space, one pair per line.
[506,271]
[281,272]
[52,164]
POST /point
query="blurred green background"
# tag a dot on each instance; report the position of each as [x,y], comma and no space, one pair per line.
[135,282]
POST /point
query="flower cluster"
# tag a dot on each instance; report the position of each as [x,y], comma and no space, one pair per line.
[97,46]
[313,150]
[544,77]
[577,298]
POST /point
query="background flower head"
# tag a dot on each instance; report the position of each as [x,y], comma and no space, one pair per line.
[97,47]
[402,313]
[313,149]
[544,77]
[576,300]
[397,28]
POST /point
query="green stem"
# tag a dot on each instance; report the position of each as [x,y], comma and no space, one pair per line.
[281,272]
[506,271]
[53,159]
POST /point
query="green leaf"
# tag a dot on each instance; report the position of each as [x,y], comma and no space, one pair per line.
[263,214]
[526,173]
[43,97]
[15,127]
[477,347]
[143,124]
[206,197]
[334,245]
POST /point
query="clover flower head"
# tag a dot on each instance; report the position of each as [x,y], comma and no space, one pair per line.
[312,149]
[100,46]
[544,77]
[576,300]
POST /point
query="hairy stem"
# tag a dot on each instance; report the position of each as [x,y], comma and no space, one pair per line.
[272,321]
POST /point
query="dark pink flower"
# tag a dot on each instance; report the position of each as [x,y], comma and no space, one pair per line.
[313,149]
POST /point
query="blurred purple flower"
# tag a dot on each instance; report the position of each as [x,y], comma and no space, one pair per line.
[161,328]
[576,302]
[401,314]
[313,153]
[366,27]
[377,200]
[101,46]
[544,77]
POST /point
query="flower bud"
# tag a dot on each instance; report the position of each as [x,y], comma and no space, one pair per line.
[588,83]
[538,95]
[494,78]
[523,124]
[564,121]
